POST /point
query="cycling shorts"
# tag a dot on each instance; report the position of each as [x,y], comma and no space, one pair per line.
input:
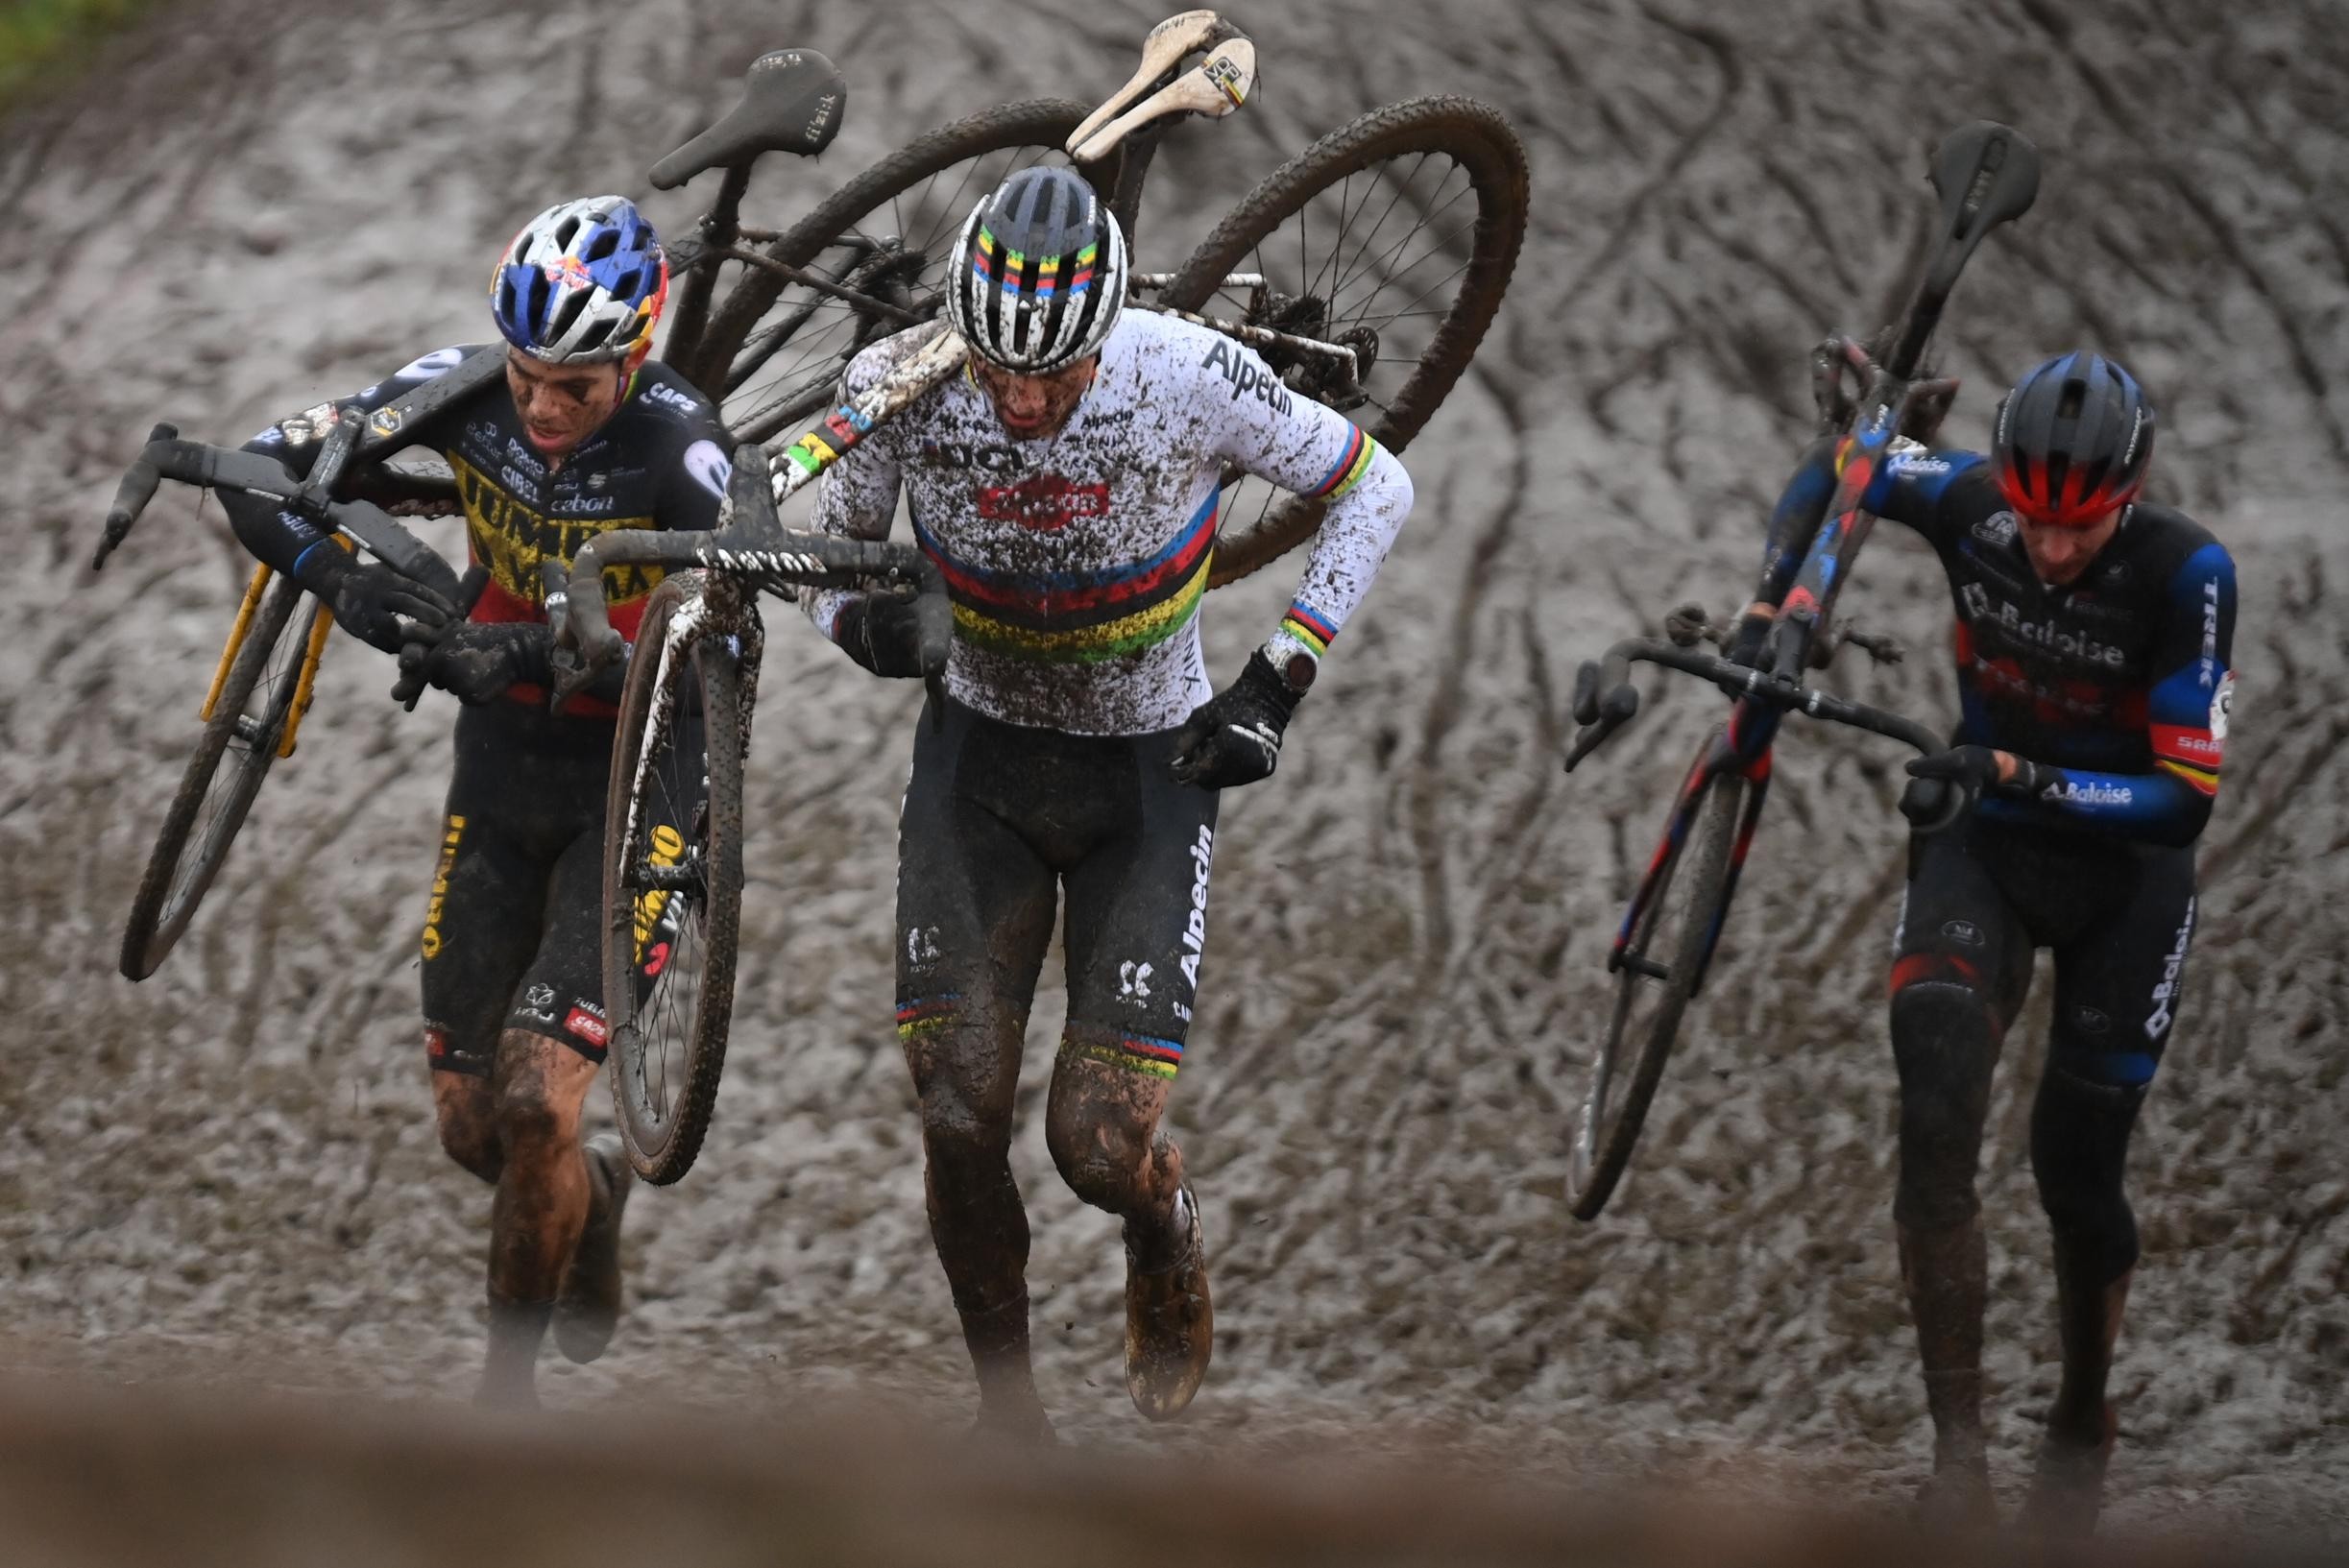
[511,932]
[997,818]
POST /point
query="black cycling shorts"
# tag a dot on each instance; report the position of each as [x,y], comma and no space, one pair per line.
[2118,916]
[511,933]
[997,818]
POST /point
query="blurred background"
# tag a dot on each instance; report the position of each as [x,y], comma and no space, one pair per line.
[226,1179]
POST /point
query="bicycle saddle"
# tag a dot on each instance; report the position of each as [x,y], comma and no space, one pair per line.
[1216,87]
[791,103]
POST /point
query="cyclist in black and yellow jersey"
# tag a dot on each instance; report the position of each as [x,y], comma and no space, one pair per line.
[582,434]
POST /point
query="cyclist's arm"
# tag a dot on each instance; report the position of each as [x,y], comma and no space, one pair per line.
[857,498]
[2187,710]
[1914,488]
[279,538]
[1305,446]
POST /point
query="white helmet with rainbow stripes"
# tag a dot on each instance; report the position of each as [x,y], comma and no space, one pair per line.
[1039,274]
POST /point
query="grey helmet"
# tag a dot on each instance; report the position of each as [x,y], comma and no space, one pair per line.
[1039,275]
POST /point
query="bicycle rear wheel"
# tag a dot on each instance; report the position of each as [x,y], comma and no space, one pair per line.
[673,890]
[1394,236]
[224,774]
[1651,991]
[775,348]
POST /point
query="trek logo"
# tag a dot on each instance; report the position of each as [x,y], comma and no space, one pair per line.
[959,454]
[2166,991]
[1982,611]
[1195,929]
[1248,374]
[433,364]
[2069,792]
[1043,501]
[2210,631]
[450,839]
[657,911]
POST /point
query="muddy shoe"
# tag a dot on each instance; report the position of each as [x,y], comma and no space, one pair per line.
[588,1309]
[1170,1324]
[2067,1487]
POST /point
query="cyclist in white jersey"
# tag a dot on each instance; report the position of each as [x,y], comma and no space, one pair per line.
[1066,484]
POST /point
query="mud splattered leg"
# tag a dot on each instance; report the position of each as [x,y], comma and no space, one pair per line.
[541,1206]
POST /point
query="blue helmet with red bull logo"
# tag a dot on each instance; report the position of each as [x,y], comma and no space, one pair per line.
[2073,439]
[583,282]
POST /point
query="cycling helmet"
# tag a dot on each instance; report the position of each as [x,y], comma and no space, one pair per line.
[2073,439]
[583,282]
[1039,274]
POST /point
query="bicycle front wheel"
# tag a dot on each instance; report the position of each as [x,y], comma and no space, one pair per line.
[1394,236]
[776,347]
[224,774]
[672,889]
[1659,976]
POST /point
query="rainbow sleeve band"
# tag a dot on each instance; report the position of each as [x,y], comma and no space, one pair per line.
[1347,471]
[1309,628]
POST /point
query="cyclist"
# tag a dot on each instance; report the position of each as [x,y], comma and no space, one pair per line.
[2094,643]
[581,433]
[1067,487]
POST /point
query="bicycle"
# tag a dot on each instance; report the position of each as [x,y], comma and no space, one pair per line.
[701,636]
[262,686]
[1985,175]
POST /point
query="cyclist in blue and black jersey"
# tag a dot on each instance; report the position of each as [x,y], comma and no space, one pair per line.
[580,434]
[2094,643]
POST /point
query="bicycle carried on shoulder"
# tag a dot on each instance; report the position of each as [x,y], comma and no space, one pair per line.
[1985,175]
[844,278]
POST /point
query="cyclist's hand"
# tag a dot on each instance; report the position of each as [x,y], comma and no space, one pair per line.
[1234,736]
[1750,635]
[475,663]
[1980,770]
[372,602]
[879,631]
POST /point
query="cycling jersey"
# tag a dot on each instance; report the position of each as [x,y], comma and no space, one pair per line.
[1076,561]
[2120,679]
[659,462]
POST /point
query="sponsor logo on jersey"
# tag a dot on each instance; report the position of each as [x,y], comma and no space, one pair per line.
[959,454]
[1043,501]
[2222,712]
[586,1021]
[2166,990]
[438,362]
[1917,463]
[709,467]
[1998,528]
[1248,374]
[669,397]
[1962,931]
[514,539]
[2209,632]
[2072,792]
[1982,611]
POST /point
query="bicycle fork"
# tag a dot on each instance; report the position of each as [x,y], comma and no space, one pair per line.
[1741,749]
[306,681]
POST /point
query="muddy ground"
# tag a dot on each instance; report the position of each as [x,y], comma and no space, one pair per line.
[228,1174]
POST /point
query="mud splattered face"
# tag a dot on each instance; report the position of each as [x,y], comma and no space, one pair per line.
[1031,407]
[2060,553]
[562,405]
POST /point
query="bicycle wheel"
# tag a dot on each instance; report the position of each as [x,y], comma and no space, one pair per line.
[224,774]
[1652,992]
[1411,294]
[673,889]
[775,348]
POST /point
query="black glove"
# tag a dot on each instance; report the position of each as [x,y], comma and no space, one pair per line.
[369,600]
[1234,736]
[879,631]
[1976,769]
[475,663]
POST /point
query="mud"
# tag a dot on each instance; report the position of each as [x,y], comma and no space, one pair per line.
[228,1175]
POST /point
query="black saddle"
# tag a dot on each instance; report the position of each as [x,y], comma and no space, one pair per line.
[791,103]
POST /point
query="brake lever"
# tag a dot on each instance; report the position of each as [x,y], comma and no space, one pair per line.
[131,498]
[1600,716]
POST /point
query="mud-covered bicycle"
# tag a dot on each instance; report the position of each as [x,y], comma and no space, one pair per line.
[1985,175]
[1320,256]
